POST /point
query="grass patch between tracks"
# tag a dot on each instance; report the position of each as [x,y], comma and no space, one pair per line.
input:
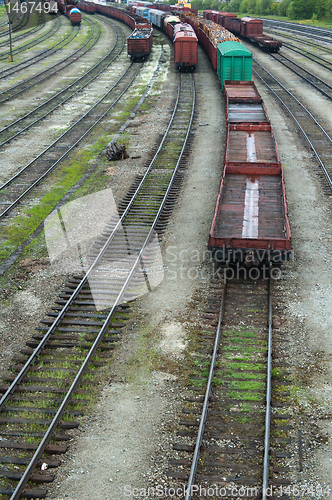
[20,228]
[62,180]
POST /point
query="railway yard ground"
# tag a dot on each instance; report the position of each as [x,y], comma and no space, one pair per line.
[126,435]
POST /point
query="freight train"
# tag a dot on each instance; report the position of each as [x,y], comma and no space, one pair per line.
[71,11]
[250,223]
[248,28]
[140,41]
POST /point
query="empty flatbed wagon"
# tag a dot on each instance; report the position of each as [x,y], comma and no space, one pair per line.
[251,219]
[244,103]
[251,147]
[250,223]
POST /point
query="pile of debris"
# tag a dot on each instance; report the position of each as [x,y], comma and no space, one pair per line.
[116,152]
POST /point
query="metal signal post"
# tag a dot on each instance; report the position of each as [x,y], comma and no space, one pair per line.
[10,56]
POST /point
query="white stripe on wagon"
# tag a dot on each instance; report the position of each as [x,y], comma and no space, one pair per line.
[250,216]
[251,147]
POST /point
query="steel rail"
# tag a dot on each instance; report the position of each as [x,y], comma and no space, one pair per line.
[295,99]
[44,54]
[201,429]
[59,93]
[103,97]
[27,33]
[30,79]
[5,265]
[311,56]
[274,31]
[277,58]
[328,178]
[84,279]
[39,57]
[266,468]
[52,31]
[25,477]
[299,27]
[19,25]
[12,205]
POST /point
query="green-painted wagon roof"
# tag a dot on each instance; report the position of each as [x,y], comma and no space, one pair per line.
[233,49]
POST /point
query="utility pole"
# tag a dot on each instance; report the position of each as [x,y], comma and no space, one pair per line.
[10,56]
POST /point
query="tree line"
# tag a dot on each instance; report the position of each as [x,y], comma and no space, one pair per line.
[294,9]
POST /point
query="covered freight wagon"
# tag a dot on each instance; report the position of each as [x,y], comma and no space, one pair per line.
[223,16]
[185,47]
[157,17]
[234,62]
[143,11]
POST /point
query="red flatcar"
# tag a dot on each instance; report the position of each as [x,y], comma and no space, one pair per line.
[89,7]
[185,46]
[250,223]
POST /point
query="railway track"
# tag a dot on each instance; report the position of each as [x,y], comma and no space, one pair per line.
[17,127]
[302,40]
[24,35]
[26,84]
[321,61]
[316,137]
[59,45]
[19,22]
[15,189]
[42,399]
[54,28]
[239,407]
[313,80]
[298,28]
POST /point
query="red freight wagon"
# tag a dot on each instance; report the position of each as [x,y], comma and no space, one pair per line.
[206,13]
[251,218]
[223,16]
[251,148]
[75,16]
[139,43]
[61,6]
[266,42]
[160,6]
[233,25]
[208,46]
[251,26]
[89,7]
[238,91]
[68,8]
[185,46]
[214,15]
[244,104]
[243,112]
[169,23]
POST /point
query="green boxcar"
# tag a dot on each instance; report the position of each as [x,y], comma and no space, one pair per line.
[234,62]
